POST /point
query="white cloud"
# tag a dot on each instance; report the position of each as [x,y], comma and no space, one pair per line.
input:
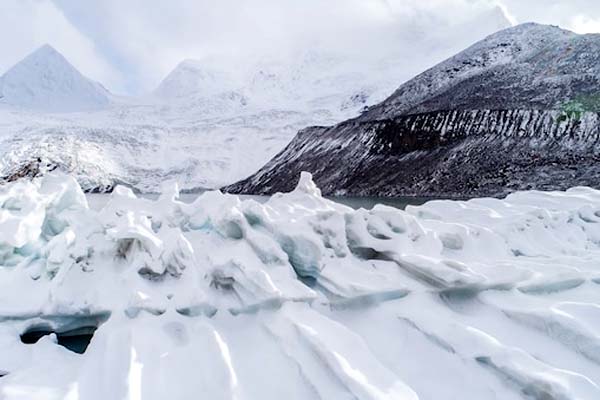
[577,15]
[148,38]
[509,16]
[585,24]
[131,45]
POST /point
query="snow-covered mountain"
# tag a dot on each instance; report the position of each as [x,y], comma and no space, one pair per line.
[45,81]
[518,110]
[310,82]
[209,123]
[192,77]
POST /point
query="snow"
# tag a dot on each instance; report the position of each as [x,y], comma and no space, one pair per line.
[45,81]
[511,47]
[144,145]
[191,77]
[299,296]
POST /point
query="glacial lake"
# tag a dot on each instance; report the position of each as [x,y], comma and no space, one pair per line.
[98,200]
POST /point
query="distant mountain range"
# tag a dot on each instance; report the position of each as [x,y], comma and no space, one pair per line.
[518,110]
[205,125]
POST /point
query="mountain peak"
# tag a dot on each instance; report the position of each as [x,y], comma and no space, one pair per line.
[521,46]
[533,28]
[189,63]
[46,81]
[46,49]
[44,54]
[194,77]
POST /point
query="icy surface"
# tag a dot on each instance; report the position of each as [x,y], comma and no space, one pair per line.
[299,297]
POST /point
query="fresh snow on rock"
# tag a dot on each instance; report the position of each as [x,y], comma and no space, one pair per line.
[298,297]
[518,110]
[46,81]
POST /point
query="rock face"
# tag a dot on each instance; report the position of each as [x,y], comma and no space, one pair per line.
[518,110]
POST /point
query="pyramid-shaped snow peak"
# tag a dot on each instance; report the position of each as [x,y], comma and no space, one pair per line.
[46,81]
[192,77]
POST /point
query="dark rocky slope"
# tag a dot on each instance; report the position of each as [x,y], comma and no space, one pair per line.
[519,110]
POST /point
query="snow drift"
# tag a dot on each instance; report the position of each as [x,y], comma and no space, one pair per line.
[298,297]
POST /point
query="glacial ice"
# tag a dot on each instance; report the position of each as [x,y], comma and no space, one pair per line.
[301,297]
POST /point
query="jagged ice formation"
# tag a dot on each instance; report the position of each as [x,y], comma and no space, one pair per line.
[299,297]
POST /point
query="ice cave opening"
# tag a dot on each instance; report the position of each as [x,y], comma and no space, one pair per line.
[77,340]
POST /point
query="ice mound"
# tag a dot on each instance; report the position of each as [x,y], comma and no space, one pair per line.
[298,297]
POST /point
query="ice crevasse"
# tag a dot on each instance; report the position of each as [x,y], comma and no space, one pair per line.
[301,297]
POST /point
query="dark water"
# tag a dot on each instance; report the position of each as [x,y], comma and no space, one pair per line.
[97,201]
[363,202]
[76,340]
[370,202]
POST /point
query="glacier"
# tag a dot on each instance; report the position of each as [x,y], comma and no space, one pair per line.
[301,297]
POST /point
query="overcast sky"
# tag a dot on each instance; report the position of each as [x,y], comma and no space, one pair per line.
[130,45]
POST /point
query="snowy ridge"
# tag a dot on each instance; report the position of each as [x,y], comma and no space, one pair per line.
[191,78]
[533,65]
[45,81]
[487,298]
[495,118]
[311,81]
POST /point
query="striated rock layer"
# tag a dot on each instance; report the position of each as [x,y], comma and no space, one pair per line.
[446,154]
